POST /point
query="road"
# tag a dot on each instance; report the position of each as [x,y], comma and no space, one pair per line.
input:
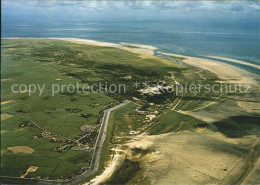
[101,137]
[95,161]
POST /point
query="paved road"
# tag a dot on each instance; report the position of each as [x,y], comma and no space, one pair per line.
[95,157]
[95,161]
[101,137]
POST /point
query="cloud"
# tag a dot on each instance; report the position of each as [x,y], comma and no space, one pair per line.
[187,6]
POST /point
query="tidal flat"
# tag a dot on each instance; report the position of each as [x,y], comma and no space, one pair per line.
[207,137]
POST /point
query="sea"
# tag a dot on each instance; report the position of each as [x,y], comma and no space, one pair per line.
[174,27]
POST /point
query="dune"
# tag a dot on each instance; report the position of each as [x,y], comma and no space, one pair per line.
[184,158]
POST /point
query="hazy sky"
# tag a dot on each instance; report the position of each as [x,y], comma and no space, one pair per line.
[128,8]
[224,28]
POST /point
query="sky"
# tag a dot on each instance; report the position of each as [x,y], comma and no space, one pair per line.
[187,24]
[25,7]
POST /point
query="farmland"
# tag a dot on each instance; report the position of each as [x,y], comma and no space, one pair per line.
[65,118]
[52,136]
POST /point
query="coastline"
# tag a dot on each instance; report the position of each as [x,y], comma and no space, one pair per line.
[236,61]
[229,73]
[226,72]
[137,48]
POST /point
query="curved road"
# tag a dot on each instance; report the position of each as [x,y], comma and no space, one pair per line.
[94,164]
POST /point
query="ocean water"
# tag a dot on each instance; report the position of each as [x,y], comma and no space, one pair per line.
[199,30]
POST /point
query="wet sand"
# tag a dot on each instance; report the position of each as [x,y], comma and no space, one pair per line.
[186,158]
[226,72]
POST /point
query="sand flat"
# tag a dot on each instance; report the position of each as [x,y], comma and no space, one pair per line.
[184,158]
[250,107]
[226,72]
[236,61]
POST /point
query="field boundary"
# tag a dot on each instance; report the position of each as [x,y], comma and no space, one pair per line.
[95,161]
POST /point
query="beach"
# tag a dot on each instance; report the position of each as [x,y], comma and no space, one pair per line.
[138,48]
[154,159]
[228,73]
[130,92]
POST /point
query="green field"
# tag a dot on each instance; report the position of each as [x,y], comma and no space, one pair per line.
[47,62]
[57,151]
[50,112]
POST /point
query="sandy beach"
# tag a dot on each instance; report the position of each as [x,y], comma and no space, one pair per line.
[177,155]
[137,48]
[226,72]
[130,92]
[236,61]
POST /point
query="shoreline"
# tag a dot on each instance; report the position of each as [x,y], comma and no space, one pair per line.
[137,48]
[236,61]
[225,71]
[150,50]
